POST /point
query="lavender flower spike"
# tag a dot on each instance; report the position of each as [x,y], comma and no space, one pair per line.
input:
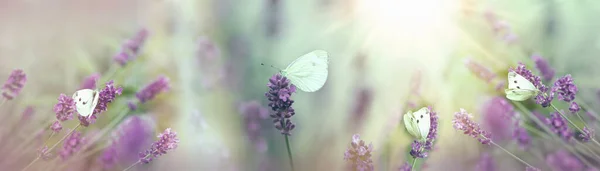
[565,88]
[359,155]
[151,90]
[166,141]
[405,167]
[463,121]
[544,67]
[90,81]
[130,49]
[559,126]
[280,91]
[587,134]
[56,126]
[14,84]
[71,145]
[574,107]
[65,108]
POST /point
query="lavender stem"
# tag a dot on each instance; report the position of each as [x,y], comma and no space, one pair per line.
[511,154]
[50,149]
[413,164]
[571,122]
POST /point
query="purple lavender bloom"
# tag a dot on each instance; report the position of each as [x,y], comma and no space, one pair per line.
[544,67]
[280,91]
[27,113]
[166,141]
[565,88]
[498,114]
[90,81]
[559,126]
[44,154]
[486,163]
[522,137]
[362,103]
[574,107]
[65,108]
[420,149]
[544,97]
[71,145]
[14,84]
[586,135]
[131,47]
[109,157]
[253,114]
[151,90]
[56,126]
[562,160]
[405,167]
[359,155]
[106,96]
[463,121]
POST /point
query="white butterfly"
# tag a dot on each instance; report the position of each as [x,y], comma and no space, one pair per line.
[86,101]
[418,123]
[308,72]
[519,88]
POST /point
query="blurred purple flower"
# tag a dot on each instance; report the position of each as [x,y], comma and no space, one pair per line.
[27,113]
[56,126]
[561,160]
[486,163]
[65,108]
[463,121]
[131,47]
[544,97]
[565,88]
[359,155]
[207,51]
[106,96]
[13,85]
[522,137]
[587,134]
[130,137]
[253,114]
[166,141]
[497,117]
[109,157]
[71,145]
[279,96]
[574,107]
[361,105]
[44,154]
[90,81]
[559,125]
[132,105]
[544,67]
[405,167]
[480,71]
[151,90]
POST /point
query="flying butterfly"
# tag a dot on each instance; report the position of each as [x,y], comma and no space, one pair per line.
[308,72]
[519,88]
[418,123]
[86,101]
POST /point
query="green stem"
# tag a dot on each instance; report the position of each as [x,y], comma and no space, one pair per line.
[511,154]
[554,136]
[50,149]
[131,166]
[413,163]
[287,144]
[571,122]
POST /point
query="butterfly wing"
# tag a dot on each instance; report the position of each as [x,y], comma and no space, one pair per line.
[83,101]
[96,96]
[309,72]
[410,124]
[423,122]
[519,88]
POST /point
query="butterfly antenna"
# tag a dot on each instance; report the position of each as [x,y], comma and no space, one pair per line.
[272,67]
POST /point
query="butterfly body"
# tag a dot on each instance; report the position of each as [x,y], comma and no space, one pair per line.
[418,123]
[519,88]
[309,72]
[86,101]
